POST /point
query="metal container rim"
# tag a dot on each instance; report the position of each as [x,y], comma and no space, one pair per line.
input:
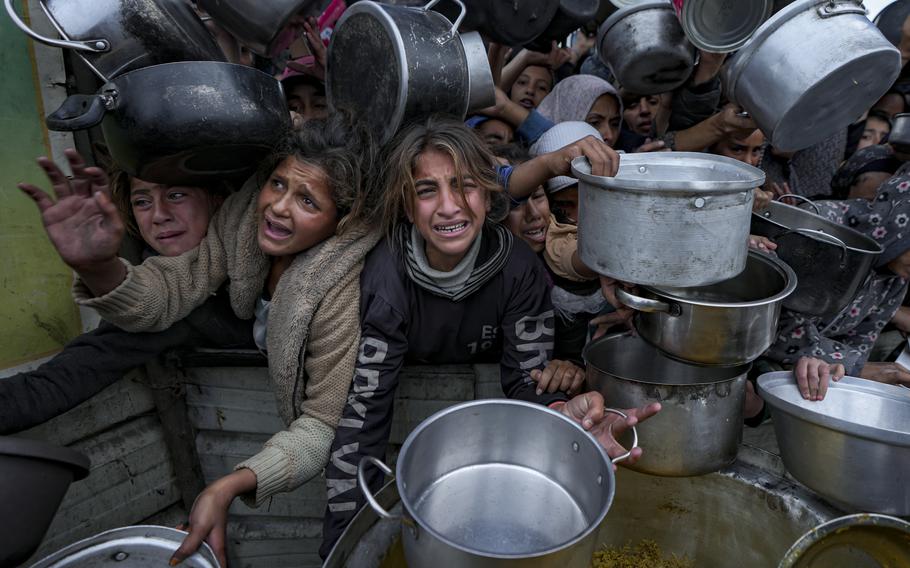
[819,533]
[768,383]
[755,177]
[740,370]
[874,249]
[414,435]
[702,41]
[624,11]
[780,266]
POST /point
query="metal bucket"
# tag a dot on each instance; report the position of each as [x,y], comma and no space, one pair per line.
[811,70]
[721,26]
[667,218]
[261,26]
[853,447]
[831,261]
[758,512]
[140,546]
[645,47]
[499,483]
[699,427]
[729,323]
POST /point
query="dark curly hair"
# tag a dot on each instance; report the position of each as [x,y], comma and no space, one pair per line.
[345,150]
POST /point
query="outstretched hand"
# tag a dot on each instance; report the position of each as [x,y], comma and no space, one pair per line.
[604,160]
[82,223]
[588,410]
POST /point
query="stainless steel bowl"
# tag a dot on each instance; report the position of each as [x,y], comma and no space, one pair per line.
[699,428]
[852,448]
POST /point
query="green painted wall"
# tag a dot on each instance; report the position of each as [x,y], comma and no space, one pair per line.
[37,314]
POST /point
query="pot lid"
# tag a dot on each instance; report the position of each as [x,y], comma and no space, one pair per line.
[722,26]
[674,172]
[864,540]
[141,546]
[853,406]
[38,449]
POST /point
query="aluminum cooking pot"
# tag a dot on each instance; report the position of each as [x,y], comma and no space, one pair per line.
[35,478]
[206,120]
[891,18]
[426,66]
[831,261]
[700,424]
[667,218]
[570,15]
[140,546]
[499,483]
[852,448]
[114,37]
[721,26]
[900,129]
[510,23]
[728,323]
[811,70]
[261,26]
[646,48]
[864,540]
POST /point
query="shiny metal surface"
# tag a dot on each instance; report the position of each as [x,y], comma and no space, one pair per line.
[483,491]
[810,70]
[729,323]
[509,22]
[853,448]
[855,541]
[759,513]
[646,48]
[699,428]
[425,67]
[255,23]
[481,90]
[721,26]
[667,218]
[829,270]
[141,546]
[900,129]
[139,34]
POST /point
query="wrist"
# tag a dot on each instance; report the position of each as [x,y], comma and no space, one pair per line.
[99,267]
[236,483]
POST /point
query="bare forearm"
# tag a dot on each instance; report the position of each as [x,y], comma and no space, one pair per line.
[700,136]
[581,268]
[528,176]
[512,70]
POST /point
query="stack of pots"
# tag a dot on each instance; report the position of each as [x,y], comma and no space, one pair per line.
[677,225]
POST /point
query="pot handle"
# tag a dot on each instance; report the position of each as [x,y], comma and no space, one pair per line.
[835,8]
[78,112]
[645,305]
[803,199]
[92,45]
[820,234]
[626,455]
[361,480]
[454,31]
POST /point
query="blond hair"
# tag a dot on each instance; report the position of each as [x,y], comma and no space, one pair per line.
[471,157]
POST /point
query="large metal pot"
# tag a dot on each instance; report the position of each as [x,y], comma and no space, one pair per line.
[495,483]
[729,323]
[721,26]
[700,424]
[206,120]
[114,37]
[831,261]
[853,447]
[758,511]
[139,546]
[570,15]
[510,23]
[35,478]
[426,66]
[900,129]
[855,541]
[667,218]
[646,48]
[259,25]
[891,18]
[811,70]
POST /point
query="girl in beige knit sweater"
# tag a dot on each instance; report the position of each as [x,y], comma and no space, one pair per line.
[291,243]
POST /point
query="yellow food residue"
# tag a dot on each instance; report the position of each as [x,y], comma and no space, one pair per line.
[645,554]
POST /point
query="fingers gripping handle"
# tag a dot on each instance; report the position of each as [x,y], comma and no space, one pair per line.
[626,455]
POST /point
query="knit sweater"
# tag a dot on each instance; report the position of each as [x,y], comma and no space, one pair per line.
[313,329]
